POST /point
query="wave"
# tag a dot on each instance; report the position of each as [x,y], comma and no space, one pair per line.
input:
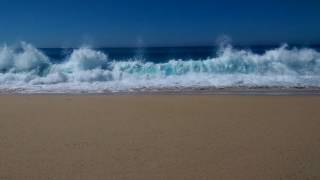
[28,69]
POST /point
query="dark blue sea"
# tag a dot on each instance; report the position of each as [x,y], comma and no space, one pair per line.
[165,54]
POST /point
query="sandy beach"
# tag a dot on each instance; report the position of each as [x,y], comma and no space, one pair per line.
[169,137]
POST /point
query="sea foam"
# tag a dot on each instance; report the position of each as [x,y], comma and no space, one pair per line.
[28,69]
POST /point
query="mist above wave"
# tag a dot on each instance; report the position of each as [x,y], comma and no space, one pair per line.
[87,69]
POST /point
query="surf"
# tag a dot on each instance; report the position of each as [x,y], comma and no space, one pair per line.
[28,69]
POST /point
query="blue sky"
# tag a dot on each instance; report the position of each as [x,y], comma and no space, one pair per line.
[63,23]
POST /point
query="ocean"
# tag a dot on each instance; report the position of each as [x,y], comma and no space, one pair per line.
[27,69]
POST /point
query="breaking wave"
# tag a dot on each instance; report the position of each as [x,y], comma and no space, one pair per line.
[28,69]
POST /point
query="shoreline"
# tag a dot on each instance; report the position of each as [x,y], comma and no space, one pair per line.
[246,91]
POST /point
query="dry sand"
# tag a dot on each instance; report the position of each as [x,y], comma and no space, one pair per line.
[159,137]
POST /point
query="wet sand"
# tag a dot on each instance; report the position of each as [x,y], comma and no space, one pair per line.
[52,137]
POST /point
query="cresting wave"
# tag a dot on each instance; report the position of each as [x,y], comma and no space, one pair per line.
[27,69]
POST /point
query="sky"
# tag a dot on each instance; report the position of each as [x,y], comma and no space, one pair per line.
[114,23]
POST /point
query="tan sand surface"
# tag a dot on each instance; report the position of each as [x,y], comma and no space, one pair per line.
[52,137]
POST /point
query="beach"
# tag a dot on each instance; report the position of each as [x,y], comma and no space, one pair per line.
[144,137]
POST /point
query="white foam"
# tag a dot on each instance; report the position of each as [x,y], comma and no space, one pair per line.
[28,59]
[86,59]
[27,69]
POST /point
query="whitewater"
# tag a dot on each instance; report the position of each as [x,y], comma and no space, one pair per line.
[26,69]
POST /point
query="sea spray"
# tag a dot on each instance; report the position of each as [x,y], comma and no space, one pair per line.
[28,69]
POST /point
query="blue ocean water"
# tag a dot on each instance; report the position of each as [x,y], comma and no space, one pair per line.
[25,68]
[165,54]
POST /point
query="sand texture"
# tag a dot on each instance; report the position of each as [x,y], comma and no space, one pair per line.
[169,137]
